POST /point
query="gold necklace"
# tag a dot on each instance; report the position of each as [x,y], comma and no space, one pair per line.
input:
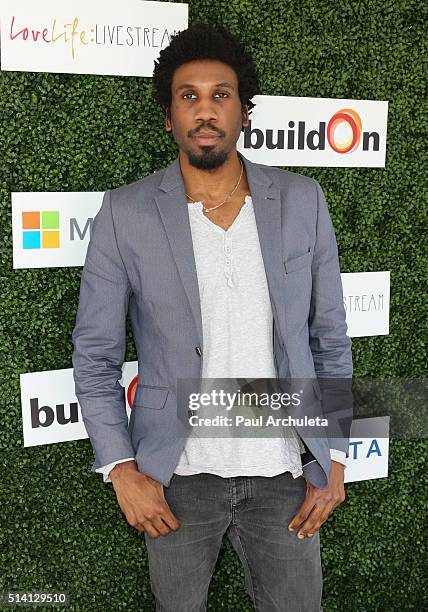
[231,193]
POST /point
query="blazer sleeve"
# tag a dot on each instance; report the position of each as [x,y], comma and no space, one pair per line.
[328,339]
[99,341]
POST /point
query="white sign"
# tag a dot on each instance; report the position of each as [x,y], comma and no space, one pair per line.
[368,449]
[52,229]
[366,301]
[50,410]
[51,413]
[298,131]
[80,37]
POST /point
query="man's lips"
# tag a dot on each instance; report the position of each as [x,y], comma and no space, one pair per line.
[206,136]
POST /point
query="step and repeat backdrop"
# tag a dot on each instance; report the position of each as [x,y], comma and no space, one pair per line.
[340,101]
[53,229]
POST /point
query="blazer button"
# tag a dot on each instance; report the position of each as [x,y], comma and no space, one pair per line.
[198,350]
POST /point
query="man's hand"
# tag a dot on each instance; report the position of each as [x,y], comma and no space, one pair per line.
[320,502]
[141,499]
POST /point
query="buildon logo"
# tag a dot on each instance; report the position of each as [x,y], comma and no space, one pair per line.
[40,229]
[343,132]
[346,117]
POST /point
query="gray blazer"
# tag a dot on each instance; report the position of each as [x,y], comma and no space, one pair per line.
[140,261]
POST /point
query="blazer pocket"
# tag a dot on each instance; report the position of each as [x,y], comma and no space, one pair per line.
[147,396]
[298,262]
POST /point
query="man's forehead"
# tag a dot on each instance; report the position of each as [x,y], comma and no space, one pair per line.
[224,84]
[202,73]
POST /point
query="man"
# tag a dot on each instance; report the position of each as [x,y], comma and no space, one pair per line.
[227,269]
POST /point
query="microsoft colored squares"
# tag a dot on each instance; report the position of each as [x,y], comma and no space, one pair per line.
[40,229]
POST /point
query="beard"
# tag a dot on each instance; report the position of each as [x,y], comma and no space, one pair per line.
[209,159]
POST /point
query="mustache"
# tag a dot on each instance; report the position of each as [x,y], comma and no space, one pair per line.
[206,128]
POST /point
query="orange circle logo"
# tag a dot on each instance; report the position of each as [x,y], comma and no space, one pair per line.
[132,387]
[344,117]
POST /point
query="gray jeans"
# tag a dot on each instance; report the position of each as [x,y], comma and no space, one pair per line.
[282,573]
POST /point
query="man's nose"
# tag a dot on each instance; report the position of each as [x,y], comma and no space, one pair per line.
[205,110]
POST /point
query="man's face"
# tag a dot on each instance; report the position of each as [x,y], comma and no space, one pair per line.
[206,113]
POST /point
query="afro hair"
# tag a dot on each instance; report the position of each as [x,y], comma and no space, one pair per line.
[202,41]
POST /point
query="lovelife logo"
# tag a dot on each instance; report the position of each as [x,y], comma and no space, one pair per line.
[75,36]
[346,117]
[40,229]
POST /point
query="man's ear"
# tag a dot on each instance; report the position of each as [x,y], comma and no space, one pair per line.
[168,120]
[244,116]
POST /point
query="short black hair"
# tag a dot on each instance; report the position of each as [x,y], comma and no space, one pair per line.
[203,41]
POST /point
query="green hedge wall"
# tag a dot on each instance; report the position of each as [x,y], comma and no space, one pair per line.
[61,527]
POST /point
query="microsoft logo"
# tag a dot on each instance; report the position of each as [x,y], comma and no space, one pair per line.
[40,229]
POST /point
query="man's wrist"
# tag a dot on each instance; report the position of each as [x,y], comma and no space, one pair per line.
[338,455]
[121,468]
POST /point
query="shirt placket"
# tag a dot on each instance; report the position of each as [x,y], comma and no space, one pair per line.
[228,263]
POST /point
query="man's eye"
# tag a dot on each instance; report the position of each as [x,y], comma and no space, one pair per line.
[223,93]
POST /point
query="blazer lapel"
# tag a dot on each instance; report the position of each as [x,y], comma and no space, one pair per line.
[173,209]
